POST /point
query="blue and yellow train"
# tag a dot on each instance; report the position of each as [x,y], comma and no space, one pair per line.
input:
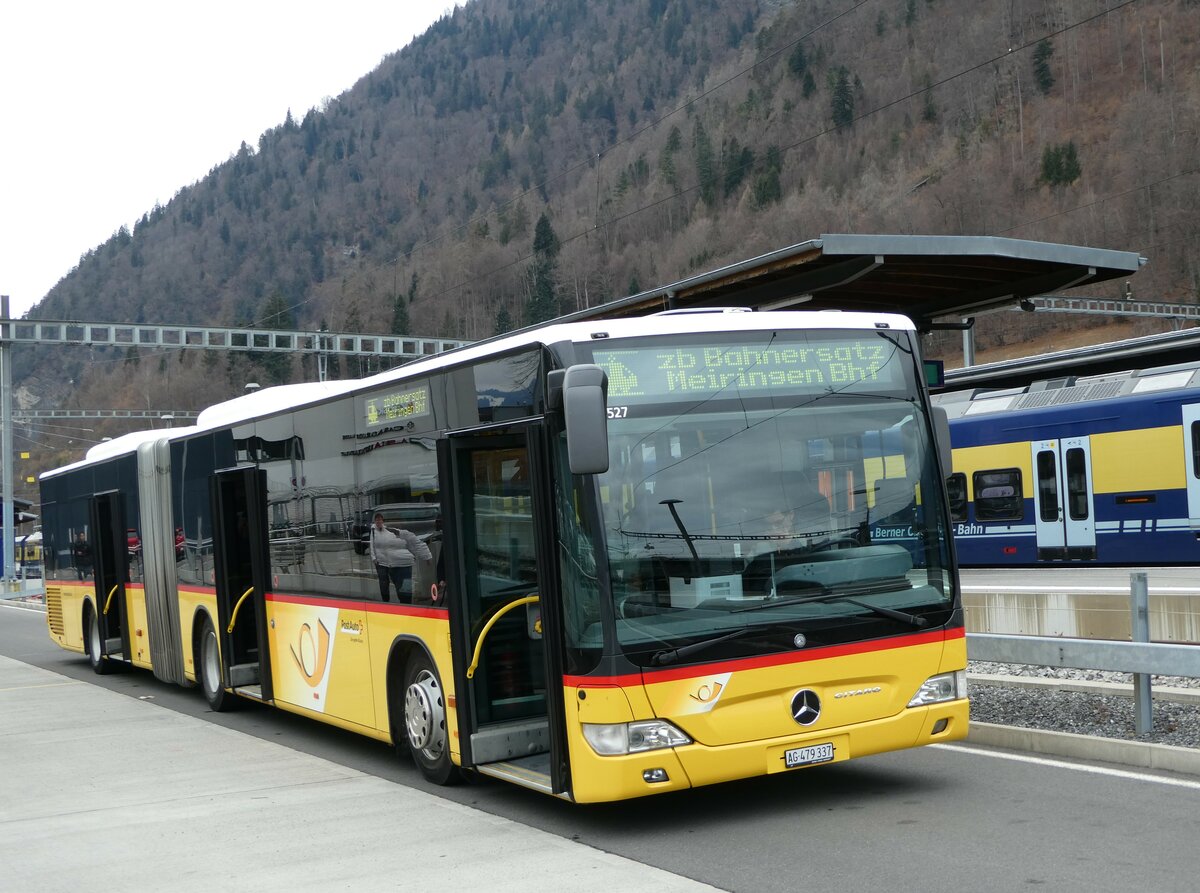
[1104,470]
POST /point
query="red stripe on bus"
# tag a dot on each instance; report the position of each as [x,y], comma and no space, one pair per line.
[651,676]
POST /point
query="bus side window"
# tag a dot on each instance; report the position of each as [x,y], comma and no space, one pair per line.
[956,490]
[998,495]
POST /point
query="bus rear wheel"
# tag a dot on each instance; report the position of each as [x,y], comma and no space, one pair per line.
[208,669]
[94,647]
[425,721]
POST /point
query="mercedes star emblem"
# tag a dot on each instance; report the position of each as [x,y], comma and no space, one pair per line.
[806,707]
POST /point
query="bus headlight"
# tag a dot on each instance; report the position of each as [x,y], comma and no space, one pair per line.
[617,739]
[944,687]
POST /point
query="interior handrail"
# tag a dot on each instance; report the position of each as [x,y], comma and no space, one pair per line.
[515,603]
[238,607]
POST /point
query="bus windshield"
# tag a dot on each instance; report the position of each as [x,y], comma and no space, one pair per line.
[768,489]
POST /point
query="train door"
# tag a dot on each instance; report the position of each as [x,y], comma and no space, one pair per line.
[110,566]
[1064,501]
[1191,453]
[505,626]
[240,558]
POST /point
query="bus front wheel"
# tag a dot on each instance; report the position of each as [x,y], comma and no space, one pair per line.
[208,669]
[95,651]
[425,721]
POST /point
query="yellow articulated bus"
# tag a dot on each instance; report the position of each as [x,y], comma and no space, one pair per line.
[597,559]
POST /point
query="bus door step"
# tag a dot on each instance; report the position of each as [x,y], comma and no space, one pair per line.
[529,772]
[112,647]
[241,675]
[513,739]
[254,692]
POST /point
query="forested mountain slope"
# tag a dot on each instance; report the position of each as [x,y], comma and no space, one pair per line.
[529,157]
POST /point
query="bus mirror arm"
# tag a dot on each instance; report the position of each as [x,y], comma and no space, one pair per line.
[585,411]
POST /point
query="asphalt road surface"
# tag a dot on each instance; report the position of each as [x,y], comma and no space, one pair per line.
[954,817]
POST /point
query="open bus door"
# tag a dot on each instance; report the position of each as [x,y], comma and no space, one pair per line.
[505,622]
[242,565]
[110,568]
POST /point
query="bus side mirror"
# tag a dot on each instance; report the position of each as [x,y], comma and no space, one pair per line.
[941,433]
[585,409]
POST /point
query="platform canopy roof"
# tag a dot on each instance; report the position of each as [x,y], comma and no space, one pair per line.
[922,277]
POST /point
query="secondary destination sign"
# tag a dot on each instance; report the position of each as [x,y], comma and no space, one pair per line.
[815,365]
[398,406]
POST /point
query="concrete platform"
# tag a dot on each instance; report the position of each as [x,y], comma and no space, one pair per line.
[100,790]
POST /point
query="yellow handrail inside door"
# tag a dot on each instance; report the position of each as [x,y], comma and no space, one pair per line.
[516,603]
[238,607]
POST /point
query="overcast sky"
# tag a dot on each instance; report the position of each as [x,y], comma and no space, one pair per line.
[111,107]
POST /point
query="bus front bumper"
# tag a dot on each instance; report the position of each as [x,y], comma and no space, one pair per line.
[598,779]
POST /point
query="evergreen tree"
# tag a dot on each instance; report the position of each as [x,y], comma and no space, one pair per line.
[767,186]
[798,62]
[842,103]
[1071,169]
[400,321]
[736,162]
[504,322]
[929,112]
[706,167]
[666,161]
[1041,65]
[1060,164]
[545,242]
[543,290]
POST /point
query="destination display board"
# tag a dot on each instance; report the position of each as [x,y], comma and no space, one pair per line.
[397,406]
[767,366]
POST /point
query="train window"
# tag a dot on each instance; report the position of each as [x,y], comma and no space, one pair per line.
[1077,496]
[1047,485]
[1196,449]
[956,490]
[998,495]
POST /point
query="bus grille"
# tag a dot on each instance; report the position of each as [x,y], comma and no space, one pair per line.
[54,615]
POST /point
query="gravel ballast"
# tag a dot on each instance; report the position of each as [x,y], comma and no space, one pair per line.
[1103,714]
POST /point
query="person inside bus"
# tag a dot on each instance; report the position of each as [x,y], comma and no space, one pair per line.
[781,524]
[394,551]
[81,552]
[803,514]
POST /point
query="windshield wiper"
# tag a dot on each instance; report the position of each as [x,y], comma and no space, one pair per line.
[662,658]
[687,537]
[891,613]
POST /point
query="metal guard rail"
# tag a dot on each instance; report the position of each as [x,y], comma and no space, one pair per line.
[1086,654]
